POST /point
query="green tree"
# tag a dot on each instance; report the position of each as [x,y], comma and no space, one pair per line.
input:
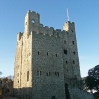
[91,82]
[94,74]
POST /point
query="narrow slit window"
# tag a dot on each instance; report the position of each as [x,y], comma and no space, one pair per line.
[46,74]
[74,52]
[56,55]
[37,73]
[40,73]
[73,42]
[66,62]
[27,75]
[73,62]
[38,52]
[47,53]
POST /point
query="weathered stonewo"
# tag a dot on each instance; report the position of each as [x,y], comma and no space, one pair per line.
[47,63]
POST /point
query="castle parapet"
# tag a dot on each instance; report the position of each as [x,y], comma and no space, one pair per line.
[45,30]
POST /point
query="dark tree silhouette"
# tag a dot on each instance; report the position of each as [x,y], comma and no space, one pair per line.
[92,80]
[94,74]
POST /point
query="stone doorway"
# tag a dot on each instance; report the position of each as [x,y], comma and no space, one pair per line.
[67,94]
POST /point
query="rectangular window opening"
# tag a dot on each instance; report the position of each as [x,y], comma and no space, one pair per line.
[37,73]
[65,51]
[74,52]
[73,42]
[53,97]
[66,62]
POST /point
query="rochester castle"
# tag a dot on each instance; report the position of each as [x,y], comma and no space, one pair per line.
[47,63]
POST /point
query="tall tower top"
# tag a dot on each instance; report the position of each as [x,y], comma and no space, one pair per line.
[68,25]
[31,18]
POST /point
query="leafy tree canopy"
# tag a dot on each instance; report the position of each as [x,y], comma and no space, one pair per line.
[92,80]
[94,73]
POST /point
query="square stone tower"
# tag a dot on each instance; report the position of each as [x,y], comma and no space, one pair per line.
[47,63]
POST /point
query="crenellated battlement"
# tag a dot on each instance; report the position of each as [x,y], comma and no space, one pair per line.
[32,23]
[33,13]
[46,30]
[58,33]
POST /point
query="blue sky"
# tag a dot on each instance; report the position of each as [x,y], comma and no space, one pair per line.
[85,14]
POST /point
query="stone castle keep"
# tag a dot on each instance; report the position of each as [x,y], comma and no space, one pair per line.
[47,63]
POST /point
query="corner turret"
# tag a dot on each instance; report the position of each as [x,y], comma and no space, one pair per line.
[32,20]
[69,26]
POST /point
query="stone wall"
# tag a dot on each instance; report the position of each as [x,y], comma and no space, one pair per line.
[48,75]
